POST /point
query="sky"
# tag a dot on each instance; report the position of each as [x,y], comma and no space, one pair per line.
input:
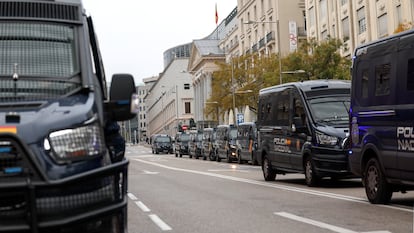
[134,34]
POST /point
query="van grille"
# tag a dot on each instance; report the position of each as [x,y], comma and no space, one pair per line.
[40,10]
[13,162]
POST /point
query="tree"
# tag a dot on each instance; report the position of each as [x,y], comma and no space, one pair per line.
[319,60]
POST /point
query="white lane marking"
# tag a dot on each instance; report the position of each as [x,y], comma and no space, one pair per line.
[143,207]
[149,173]
[320,224]
[226,170]
[278,186]
[161,224]
[132,197]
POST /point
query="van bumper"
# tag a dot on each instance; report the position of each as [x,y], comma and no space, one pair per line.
[92,201]
[331,162]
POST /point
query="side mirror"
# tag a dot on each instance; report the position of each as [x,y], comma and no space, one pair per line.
[123,102]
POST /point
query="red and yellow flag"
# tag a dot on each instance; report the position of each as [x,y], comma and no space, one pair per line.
[216,15]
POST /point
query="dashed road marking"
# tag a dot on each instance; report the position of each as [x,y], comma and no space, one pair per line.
[161,224]
[157,220]
[320,224]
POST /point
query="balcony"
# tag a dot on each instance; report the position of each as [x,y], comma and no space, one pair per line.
[270,36]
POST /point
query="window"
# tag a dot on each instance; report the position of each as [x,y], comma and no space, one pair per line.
[364,84]
[382,79]
[187,107]
[398,15]
[343,2]
[362,23]
[410,75]
[324,35]
[38,50]
[282,112]
[345,29]
[311,17]
[186,86]
[323,9]
[382,26]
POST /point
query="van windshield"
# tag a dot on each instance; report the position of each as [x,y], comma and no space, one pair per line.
[330,110]
[163,139]
[233,133]
[185,137]
[38,61]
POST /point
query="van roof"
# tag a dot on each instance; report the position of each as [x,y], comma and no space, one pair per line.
[310,85]
[382,40]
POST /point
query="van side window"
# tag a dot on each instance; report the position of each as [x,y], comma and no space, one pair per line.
[410,75]
[283,108]
[382,79]
[298,109]
[364,83]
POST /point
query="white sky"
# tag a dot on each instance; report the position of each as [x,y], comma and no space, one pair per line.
[133,34]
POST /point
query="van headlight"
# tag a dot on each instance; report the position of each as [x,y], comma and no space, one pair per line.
[327,140]
[76,144]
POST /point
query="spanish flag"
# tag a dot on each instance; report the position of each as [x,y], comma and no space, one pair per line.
[216,15]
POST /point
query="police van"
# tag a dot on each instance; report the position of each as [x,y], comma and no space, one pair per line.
[62,165]
[382,116]
[303,128]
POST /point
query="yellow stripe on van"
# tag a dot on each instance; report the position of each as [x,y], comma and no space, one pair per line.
[8,129]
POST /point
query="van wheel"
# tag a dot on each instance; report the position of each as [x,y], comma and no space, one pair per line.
[254,160]
[239,159]
[228,157]
[269,173]
[211,156]
[218,159]
[311,178]
[376,187]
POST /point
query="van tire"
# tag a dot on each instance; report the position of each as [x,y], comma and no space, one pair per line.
[229,160]
[254,160]
[269,173]
[377,189]
[239,158]
[311,178]
[218,159]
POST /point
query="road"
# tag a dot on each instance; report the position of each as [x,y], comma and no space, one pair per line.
[188,195]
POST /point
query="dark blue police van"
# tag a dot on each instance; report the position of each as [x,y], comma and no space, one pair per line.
[382,116]
[303,128]
[62,165]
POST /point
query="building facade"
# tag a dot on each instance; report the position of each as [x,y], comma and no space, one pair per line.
[169,102]
[270,26]
[356,22]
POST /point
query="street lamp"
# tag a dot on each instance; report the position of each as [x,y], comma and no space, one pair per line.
[278,43]
[297,72]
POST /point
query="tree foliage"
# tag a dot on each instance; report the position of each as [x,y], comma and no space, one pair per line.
[312,60]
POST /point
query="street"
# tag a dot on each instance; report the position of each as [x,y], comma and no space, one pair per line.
[188,195]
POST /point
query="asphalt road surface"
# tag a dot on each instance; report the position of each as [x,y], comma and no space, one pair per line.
[188,195]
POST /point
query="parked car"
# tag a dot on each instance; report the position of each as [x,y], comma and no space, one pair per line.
[226,143]
[181,144]
[303,127]
[195,144]
[162,143]
[208,144]
[381,120]
[246,142]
